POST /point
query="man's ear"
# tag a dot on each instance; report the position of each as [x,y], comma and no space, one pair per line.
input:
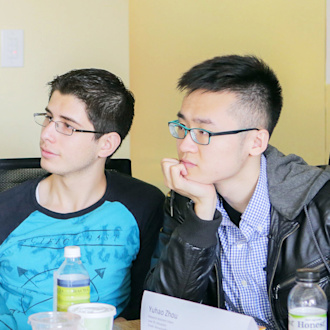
[109,143]
[260,142]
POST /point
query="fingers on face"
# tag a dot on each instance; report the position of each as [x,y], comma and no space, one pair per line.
[173,174]
[167,163]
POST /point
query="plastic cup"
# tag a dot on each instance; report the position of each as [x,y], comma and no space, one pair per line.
[95,315]
[54,320]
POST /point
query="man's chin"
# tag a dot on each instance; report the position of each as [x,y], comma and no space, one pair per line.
[44,164]
[194,178]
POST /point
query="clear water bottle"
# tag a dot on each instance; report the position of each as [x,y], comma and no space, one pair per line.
[73,282]
[307,302]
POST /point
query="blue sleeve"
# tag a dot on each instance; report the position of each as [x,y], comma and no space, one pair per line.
[7,320]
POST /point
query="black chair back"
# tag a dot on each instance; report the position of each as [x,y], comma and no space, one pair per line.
[15,171]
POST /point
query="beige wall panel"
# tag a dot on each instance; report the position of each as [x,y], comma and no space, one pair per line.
[167,37]
[327,125]
[59,36]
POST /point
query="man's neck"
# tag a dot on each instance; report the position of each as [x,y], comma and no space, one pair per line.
[237,191]
[63,194]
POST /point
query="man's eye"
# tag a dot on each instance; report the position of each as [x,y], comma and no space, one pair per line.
[68,126]
[201,132]
[50,118]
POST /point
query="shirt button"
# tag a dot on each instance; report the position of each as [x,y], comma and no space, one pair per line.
[239,246]
[259,228]
[244,283]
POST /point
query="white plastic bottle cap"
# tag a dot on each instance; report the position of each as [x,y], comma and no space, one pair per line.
[72,252]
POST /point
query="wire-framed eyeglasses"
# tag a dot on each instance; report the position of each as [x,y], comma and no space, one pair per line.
[199,135]
[44,119]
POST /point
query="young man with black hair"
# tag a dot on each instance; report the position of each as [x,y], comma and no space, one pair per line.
[241,216]
[114,218]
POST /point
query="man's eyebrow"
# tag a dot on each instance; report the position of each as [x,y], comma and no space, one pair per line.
[47,110]
[180,115]
[197,120]
[64,117]
[203,121]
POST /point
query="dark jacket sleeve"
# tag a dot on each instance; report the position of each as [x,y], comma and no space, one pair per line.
[186,252]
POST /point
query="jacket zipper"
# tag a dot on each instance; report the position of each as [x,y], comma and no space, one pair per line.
[217,281]
[295,227]
[292,280]
[282,285]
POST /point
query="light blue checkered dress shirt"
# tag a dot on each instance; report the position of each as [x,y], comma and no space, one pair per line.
[244,254]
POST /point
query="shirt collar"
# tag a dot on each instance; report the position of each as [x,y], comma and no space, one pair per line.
[256,216]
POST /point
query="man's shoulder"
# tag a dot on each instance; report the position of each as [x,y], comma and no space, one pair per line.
[18,192]
[18,200]
[122,185]
[324,193]
[142,199]
[15,206]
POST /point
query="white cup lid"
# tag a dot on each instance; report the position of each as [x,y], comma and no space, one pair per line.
[93,310]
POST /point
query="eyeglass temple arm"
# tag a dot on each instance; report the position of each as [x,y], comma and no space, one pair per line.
[234,132]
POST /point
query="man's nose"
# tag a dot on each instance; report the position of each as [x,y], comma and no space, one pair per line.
[48,132]
[187,144]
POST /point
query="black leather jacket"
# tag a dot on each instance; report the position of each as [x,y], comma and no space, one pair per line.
[187,260]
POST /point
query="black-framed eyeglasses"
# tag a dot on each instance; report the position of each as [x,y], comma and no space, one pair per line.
[199,135]
[44,119]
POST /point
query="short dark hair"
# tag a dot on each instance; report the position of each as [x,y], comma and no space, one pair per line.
[255,84]
[109,105]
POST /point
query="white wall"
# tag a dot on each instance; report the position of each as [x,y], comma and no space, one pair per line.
[59,35]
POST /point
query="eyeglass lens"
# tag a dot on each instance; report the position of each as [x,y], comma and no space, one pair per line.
[44,120]
[198,136]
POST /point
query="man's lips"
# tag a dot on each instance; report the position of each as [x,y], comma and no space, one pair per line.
[187,164]
[47,153]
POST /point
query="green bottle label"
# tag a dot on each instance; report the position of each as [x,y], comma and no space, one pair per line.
[307,318]
[70,294]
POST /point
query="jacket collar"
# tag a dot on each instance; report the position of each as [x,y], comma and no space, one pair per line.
[292,182]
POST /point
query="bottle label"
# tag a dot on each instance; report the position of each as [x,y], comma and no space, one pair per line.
[307,318]
[72,292]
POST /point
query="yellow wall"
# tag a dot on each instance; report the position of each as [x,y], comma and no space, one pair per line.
[60,35]
[327,123]
[167,37]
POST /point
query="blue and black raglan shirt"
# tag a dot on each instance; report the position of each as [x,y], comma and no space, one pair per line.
[117,236]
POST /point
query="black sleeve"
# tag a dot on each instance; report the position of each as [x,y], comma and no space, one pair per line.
[16,205]
[185,254]
[146,203]
[141,265]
